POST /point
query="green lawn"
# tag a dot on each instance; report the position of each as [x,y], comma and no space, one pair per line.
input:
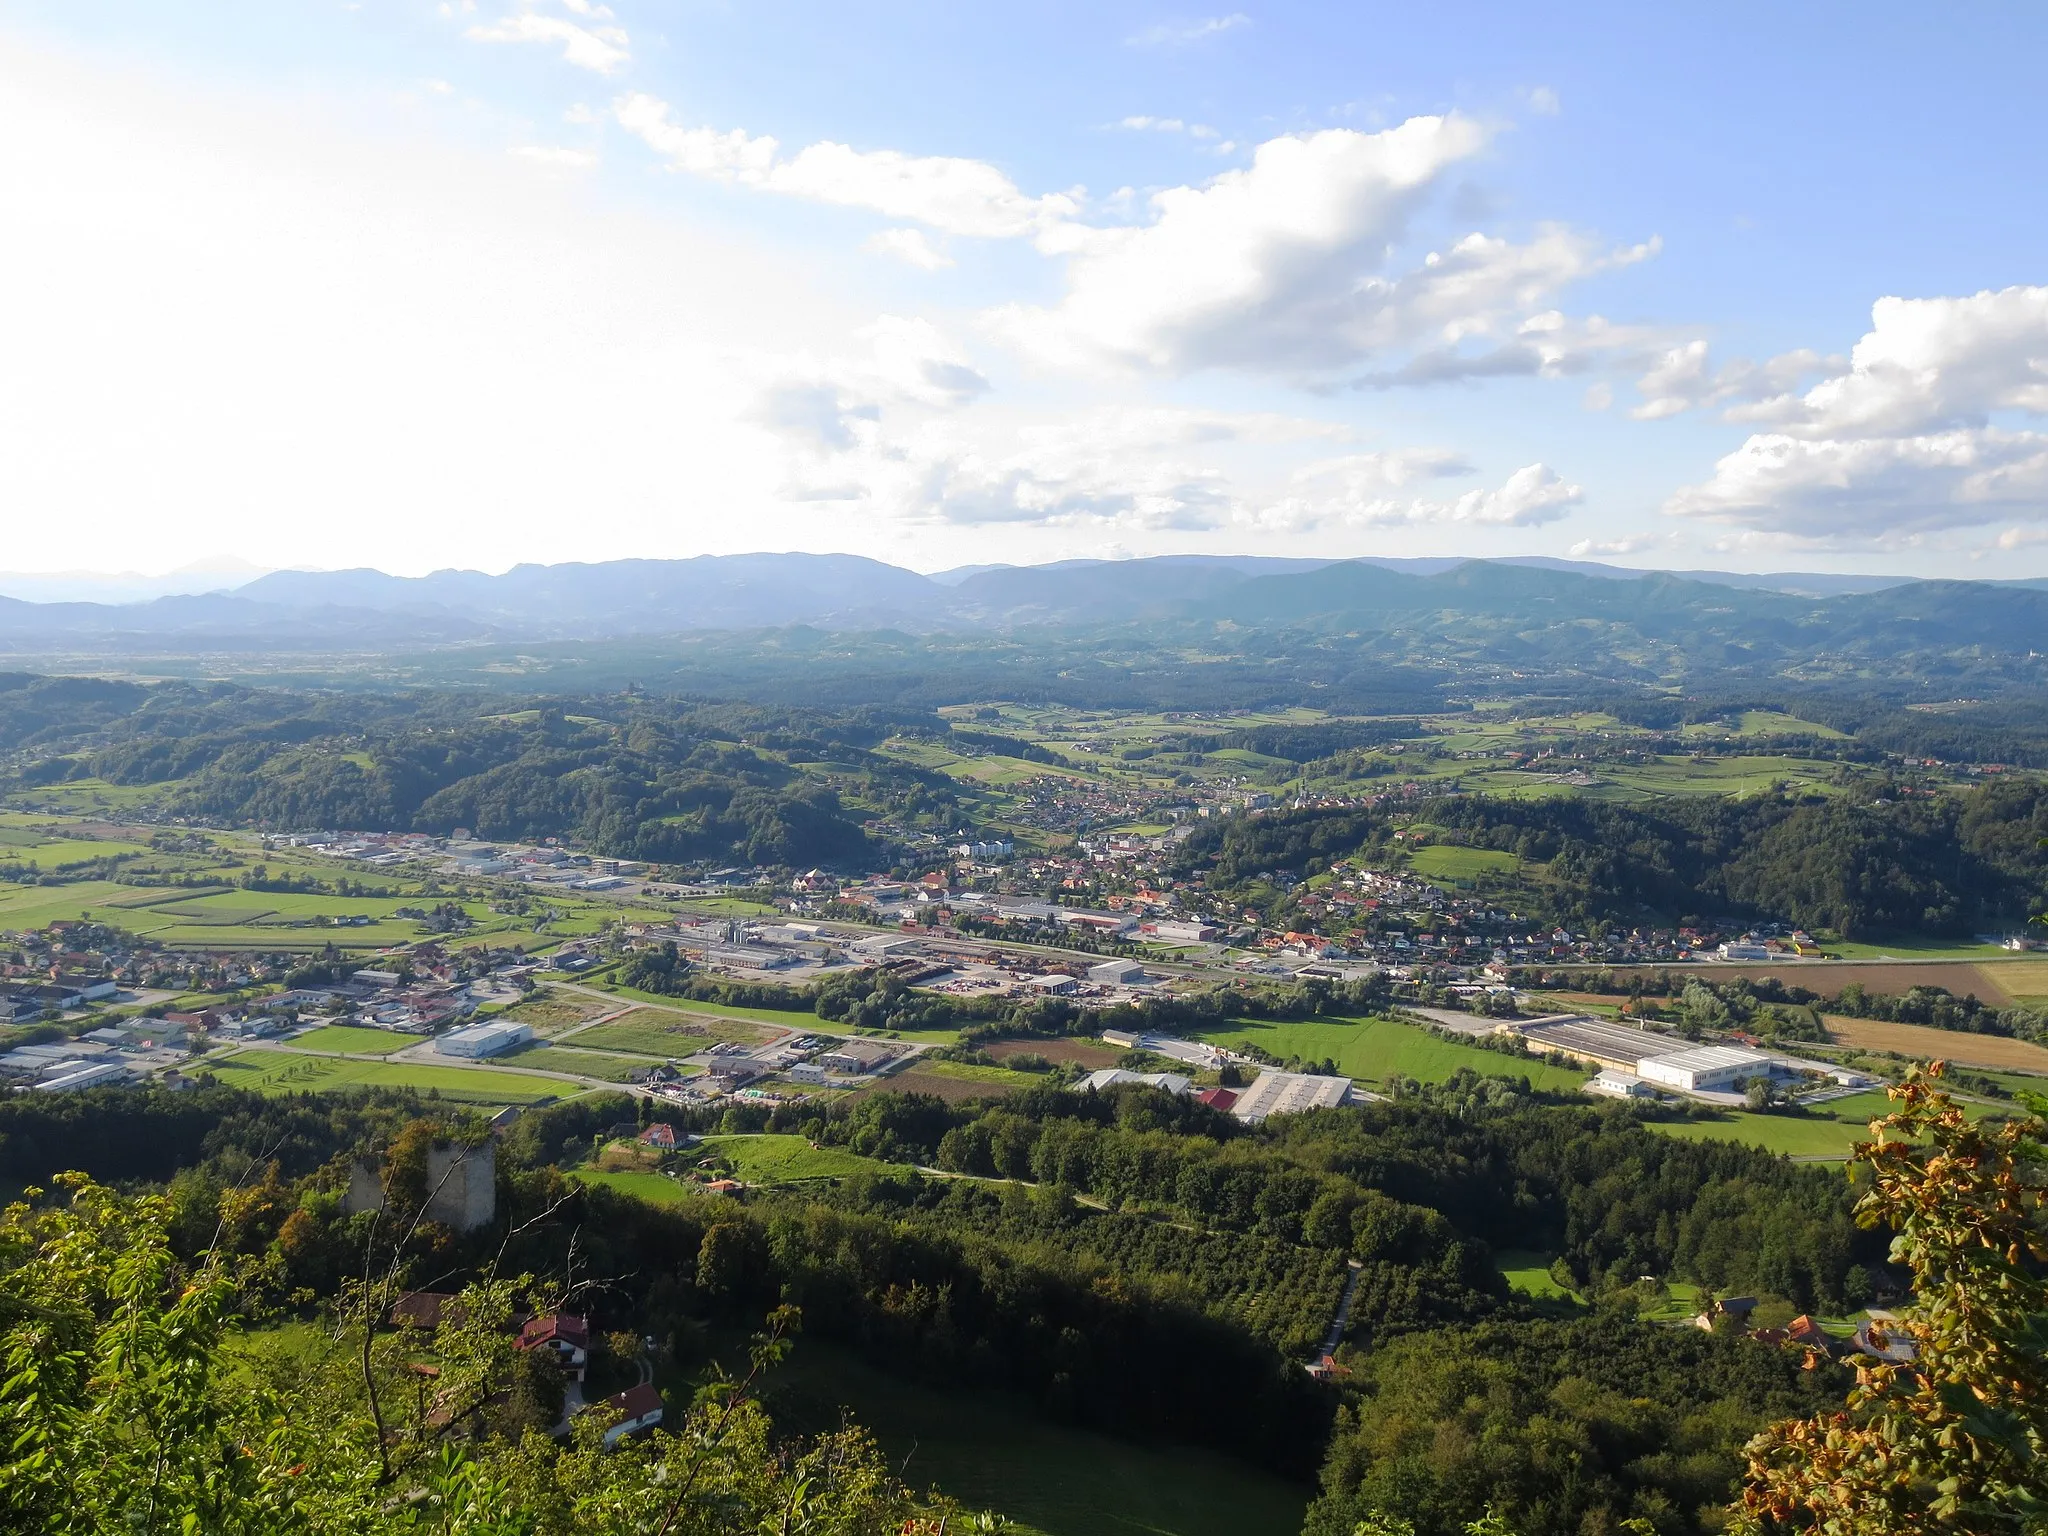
[1443,861]
[347,1037]
[1371,1049]
[1529,1272]
[770,1159]
[282,1072]
[992,1452]
[655,1188]
[1911,947]
[1829,1130]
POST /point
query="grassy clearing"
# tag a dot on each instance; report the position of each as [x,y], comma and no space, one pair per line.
[771,1159]
[921,1079]
[562,1058]
[548,1011]
[992,1452]
[788,1018]
[347,1037]
[1529,1272]
[281,1072]
[1829,1130]
[969,1072]
[655,1188]
[1372,1049]
[1443,861]
[656,1032]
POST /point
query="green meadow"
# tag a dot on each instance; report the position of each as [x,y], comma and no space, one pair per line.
[1372,1049]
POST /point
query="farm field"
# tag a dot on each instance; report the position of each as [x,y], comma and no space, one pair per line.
[1988,982]
[657,1032]
[281,1072]
[357,1041]
[772,1159]
[993,1452]
[1938,1044]
[1083,1053]
[1372,1049]
[969,1072]
[786,1018]
[921,1079]
[563,1058]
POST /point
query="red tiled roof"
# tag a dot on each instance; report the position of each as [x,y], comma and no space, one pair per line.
[636,1402]
[551,1326]
[1217,1098]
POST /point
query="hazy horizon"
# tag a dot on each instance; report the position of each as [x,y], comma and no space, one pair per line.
[500,281]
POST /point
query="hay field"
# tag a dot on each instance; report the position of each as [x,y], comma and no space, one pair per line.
[1965,1050]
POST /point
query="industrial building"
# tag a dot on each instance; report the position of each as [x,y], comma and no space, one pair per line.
[1116,1077]
[1118,973]
[1290,1093]
[483,1040]
[1705,1069]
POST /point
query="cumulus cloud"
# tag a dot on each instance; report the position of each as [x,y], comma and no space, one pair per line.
[949,193]
[1902,440]
[1280,266]
[909,245]
[1681,378]
[589,41]
[1378,490]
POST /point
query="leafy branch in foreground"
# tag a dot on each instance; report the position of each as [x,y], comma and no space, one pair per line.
[129,1402]
[1955,1437]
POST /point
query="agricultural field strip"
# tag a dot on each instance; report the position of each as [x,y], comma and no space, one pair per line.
[408,1058]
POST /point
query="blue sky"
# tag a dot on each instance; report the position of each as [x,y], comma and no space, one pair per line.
[416,284]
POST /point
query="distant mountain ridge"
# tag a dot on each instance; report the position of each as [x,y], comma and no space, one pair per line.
[1536,607]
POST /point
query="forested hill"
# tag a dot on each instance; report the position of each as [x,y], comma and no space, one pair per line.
[625,776]
[1856,863]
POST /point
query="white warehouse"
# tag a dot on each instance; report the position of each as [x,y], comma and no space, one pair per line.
[1708,1068]
[483,1040]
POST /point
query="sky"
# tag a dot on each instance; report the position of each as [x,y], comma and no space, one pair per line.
[427,283]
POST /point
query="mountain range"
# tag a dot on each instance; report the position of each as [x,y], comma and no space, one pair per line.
[1551,615]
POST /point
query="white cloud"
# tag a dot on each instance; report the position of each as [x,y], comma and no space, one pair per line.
[1279,267]
[1154,124]
[1543,101]
[1178,34]
[556,157]
[1679,378]
[1628,544]
[1902,440]
[1874,490]
[910,245]
[1377,490]
[958,196]
[588,43]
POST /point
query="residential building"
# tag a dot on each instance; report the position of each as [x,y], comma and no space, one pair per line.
[638,1408]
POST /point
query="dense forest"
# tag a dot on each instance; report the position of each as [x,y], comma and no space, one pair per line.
[1860,862]
[1140,1266]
